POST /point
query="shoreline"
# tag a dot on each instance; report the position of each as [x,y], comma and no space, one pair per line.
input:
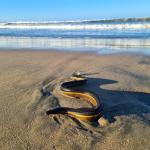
[95,52]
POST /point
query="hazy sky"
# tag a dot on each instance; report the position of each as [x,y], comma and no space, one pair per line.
[39,10]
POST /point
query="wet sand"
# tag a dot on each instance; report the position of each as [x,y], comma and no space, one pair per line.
[123,84]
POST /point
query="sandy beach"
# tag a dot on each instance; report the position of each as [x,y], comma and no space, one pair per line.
[123,84]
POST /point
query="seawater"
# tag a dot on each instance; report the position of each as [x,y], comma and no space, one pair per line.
[103,36]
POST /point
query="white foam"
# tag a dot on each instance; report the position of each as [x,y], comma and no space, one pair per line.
[62,26]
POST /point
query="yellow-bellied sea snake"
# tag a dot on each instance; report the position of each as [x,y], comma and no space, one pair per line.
[83,114]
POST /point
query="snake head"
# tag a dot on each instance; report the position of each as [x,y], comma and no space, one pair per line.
[80,74]
[77,74]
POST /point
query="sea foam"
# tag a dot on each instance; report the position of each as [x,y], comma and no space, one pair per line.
[84,25]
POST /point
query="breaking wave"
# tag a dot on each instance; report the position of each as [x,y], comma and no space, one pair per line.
[116,24]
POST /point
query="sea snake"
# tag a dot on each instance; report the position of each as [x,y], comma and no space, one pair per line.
[70,89]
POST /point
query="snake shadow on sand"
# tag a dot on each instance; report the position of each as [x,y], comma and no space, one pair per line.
[117,103]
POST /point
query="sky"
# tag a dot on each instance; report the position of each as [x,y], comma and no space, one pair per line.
[47,10]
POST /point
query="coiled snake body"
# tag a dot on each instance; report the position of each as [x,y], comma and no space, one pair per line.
[84,114]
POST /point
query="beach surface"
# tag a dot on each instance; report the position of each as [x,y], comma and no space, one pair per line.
[122,82]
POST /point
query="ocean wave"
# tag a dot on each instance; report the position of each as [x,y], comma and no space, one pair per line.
[62,26]
[124,20]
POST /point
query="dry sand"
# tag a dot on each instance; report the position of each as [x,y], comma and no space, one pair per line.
[123,84]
